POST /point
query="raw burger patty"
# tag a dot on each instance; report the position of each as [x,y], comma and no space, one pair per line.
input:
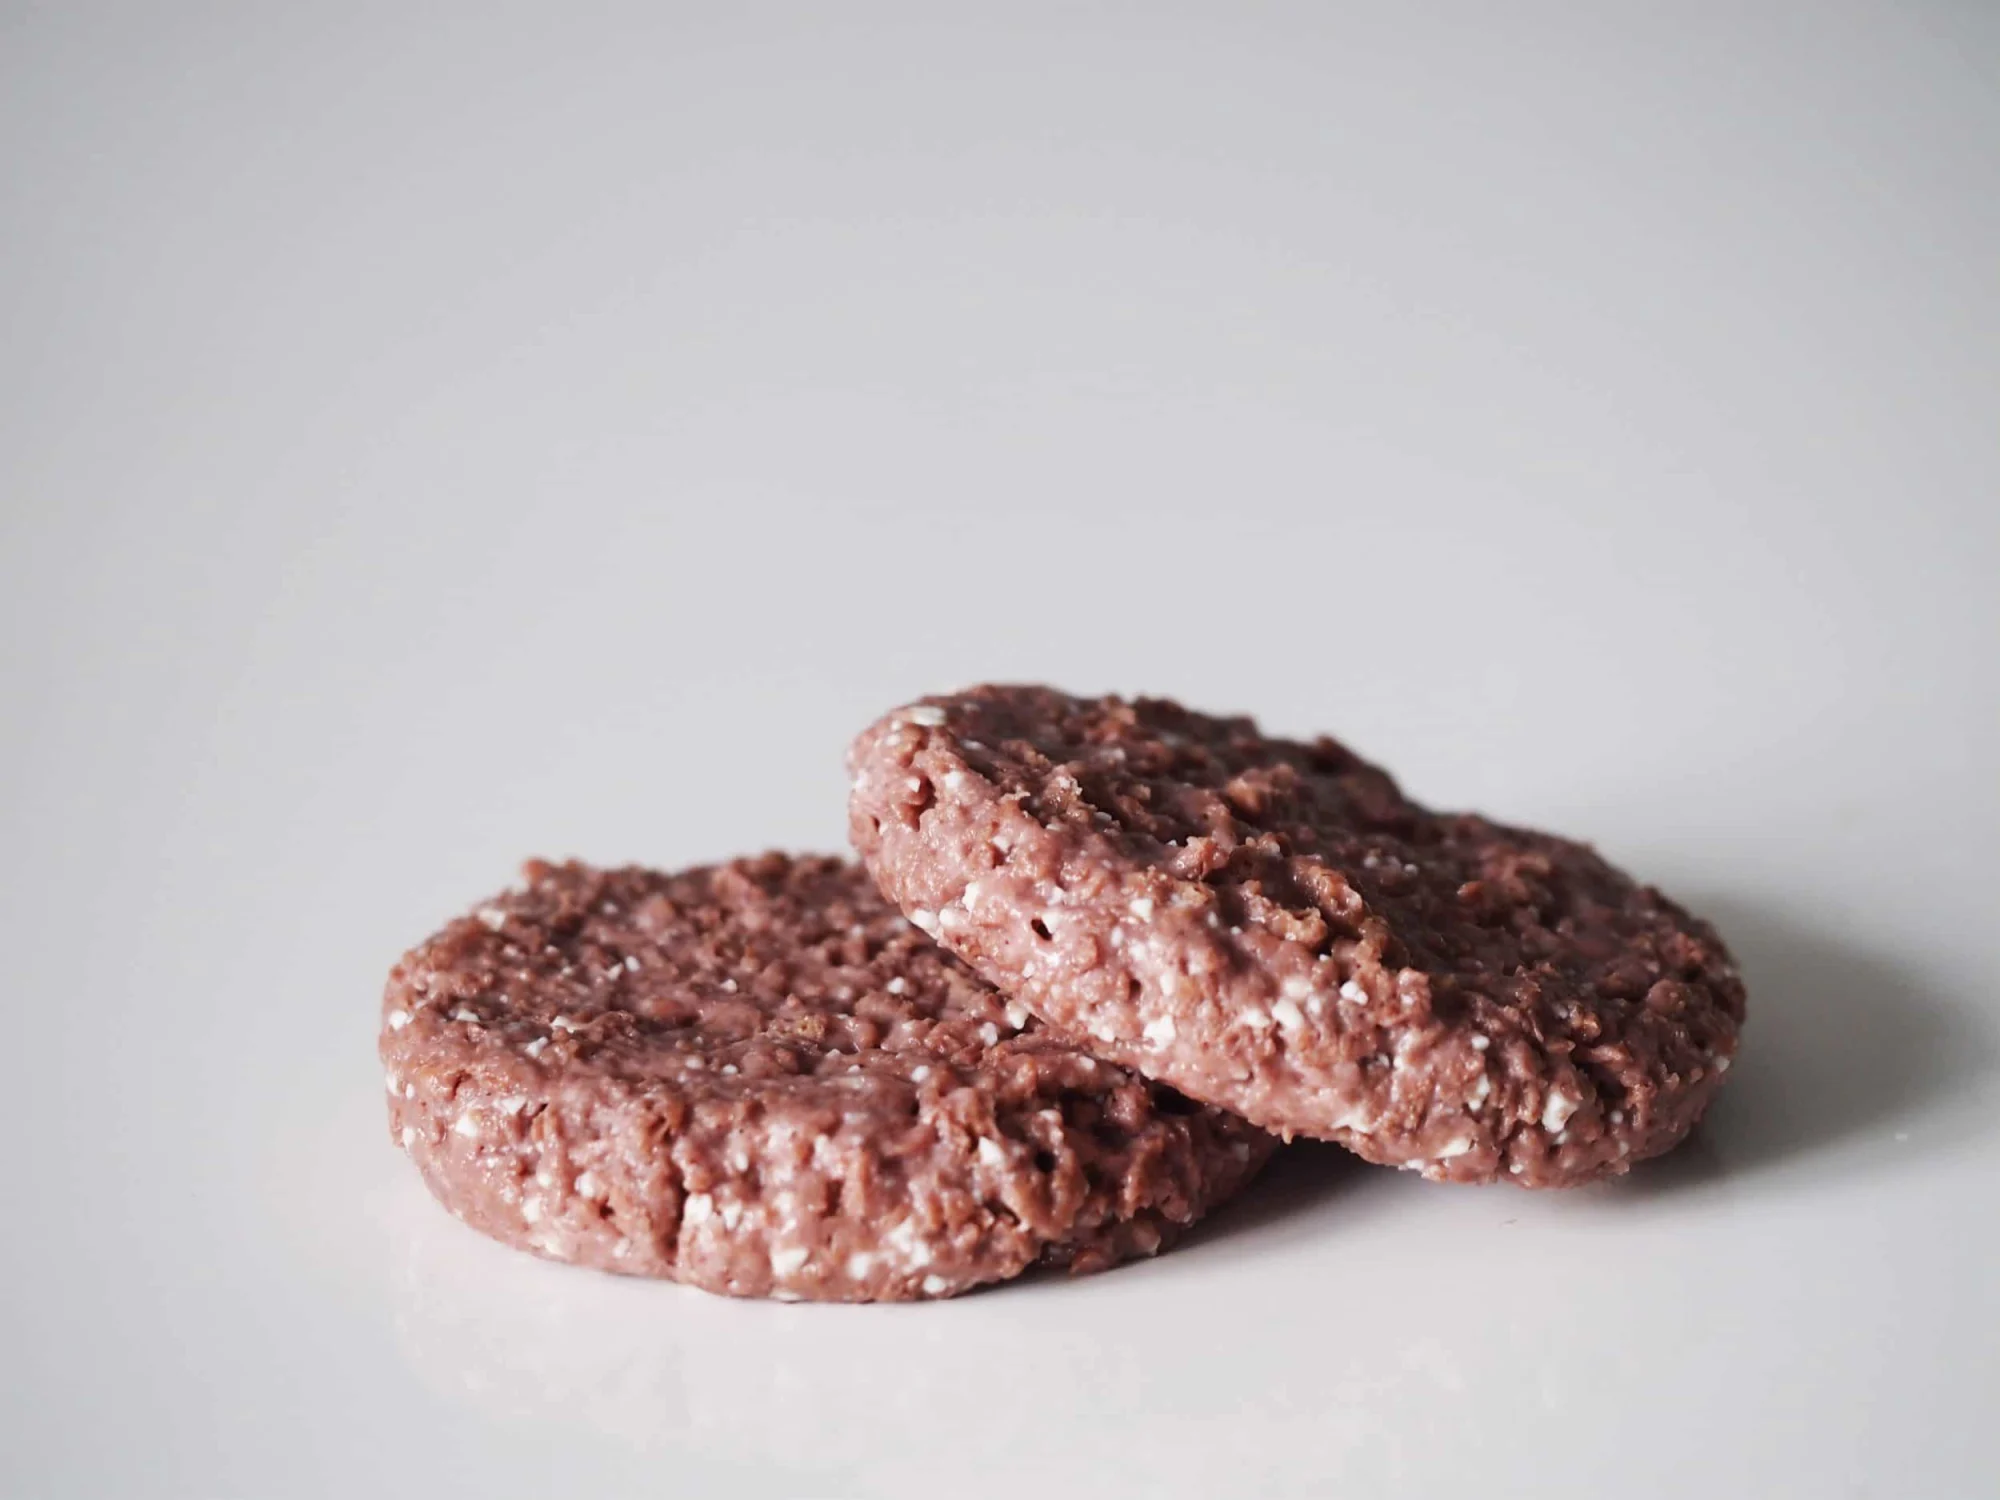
[1273,928]
[757,1078]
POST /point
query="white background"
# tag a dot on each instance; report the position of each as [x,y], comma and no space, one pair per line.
[428,439]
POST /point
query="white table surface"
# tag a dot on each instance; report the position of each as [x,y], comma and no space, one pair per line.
[430,440]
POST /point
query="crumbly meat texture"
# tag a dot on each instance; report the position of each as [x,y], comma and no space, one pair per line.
[759,1079]
[1273,927]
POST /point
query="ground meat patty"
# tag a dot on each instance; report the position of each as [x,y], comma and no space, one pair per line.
[759,1079]
[1272,927]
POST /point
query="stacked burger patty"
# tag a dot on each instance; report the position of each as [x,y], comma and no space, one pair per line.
[1097,958]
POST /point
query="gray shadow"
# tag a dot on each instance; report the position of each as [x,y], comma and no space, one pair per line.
[1302,1176]
[1843,1049]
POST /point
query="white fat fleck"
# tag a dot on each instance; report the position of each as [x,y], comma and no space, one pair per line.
[898,985]
[631,963]
[1481,1043]
[1297,987]
[925,921]
[935,1286]
[732,1215]
[1288,1015]
[392,1083]
[590,1185]
[398,1019]
[779,1294]
[1617,1117]
[1556,1113]
[493,918]
[1103,1030]
[919,1073]
[1256,1020]
[739,1160]
[462,1014]
[513,1104]
[409,1136]
[1142,908]
[1480,1089]
[1352,992]
[1515,1167]
[915,1251]
[859,1264]
[1453,1148]
[929,715]
[1017,1014]
[729,1070]
[786,1259]
[990,1154]
[903,1239]
[1722,1065]
[989,1033]
[622,1249]
[564,1023]
[545,1178]
[728,986]
[534,1048]
[466,1126]
[954,782]
[531,1210]
[1160,1030]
